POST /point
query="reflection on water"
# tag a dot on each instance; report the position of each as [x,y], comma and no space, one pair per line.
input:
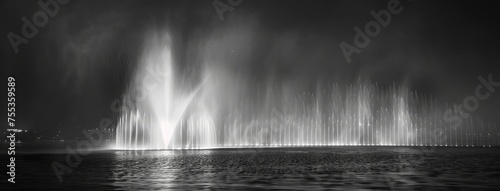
[295,168]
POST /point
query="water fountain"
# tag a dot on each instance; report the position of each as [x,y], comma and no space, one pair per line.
[159,109]
[173,116]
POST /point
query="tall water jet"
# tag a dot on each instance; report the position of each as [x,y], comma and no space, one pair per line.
[155,114]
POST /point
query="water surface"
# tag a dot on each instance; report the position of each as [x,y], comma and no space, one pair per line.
[330,168]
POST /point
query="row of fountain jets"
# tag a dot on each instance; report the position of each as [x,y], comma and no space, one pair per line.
[366,114]
[363,115]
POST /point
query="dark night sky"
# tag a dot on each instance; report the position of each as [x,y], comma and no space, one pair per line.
[78,63]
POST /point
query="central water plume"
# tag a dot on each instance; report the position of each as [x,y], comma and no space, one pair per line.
[160,102]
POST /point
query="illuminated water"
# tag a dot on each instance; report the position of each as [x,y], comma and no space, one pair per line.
[175,112]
